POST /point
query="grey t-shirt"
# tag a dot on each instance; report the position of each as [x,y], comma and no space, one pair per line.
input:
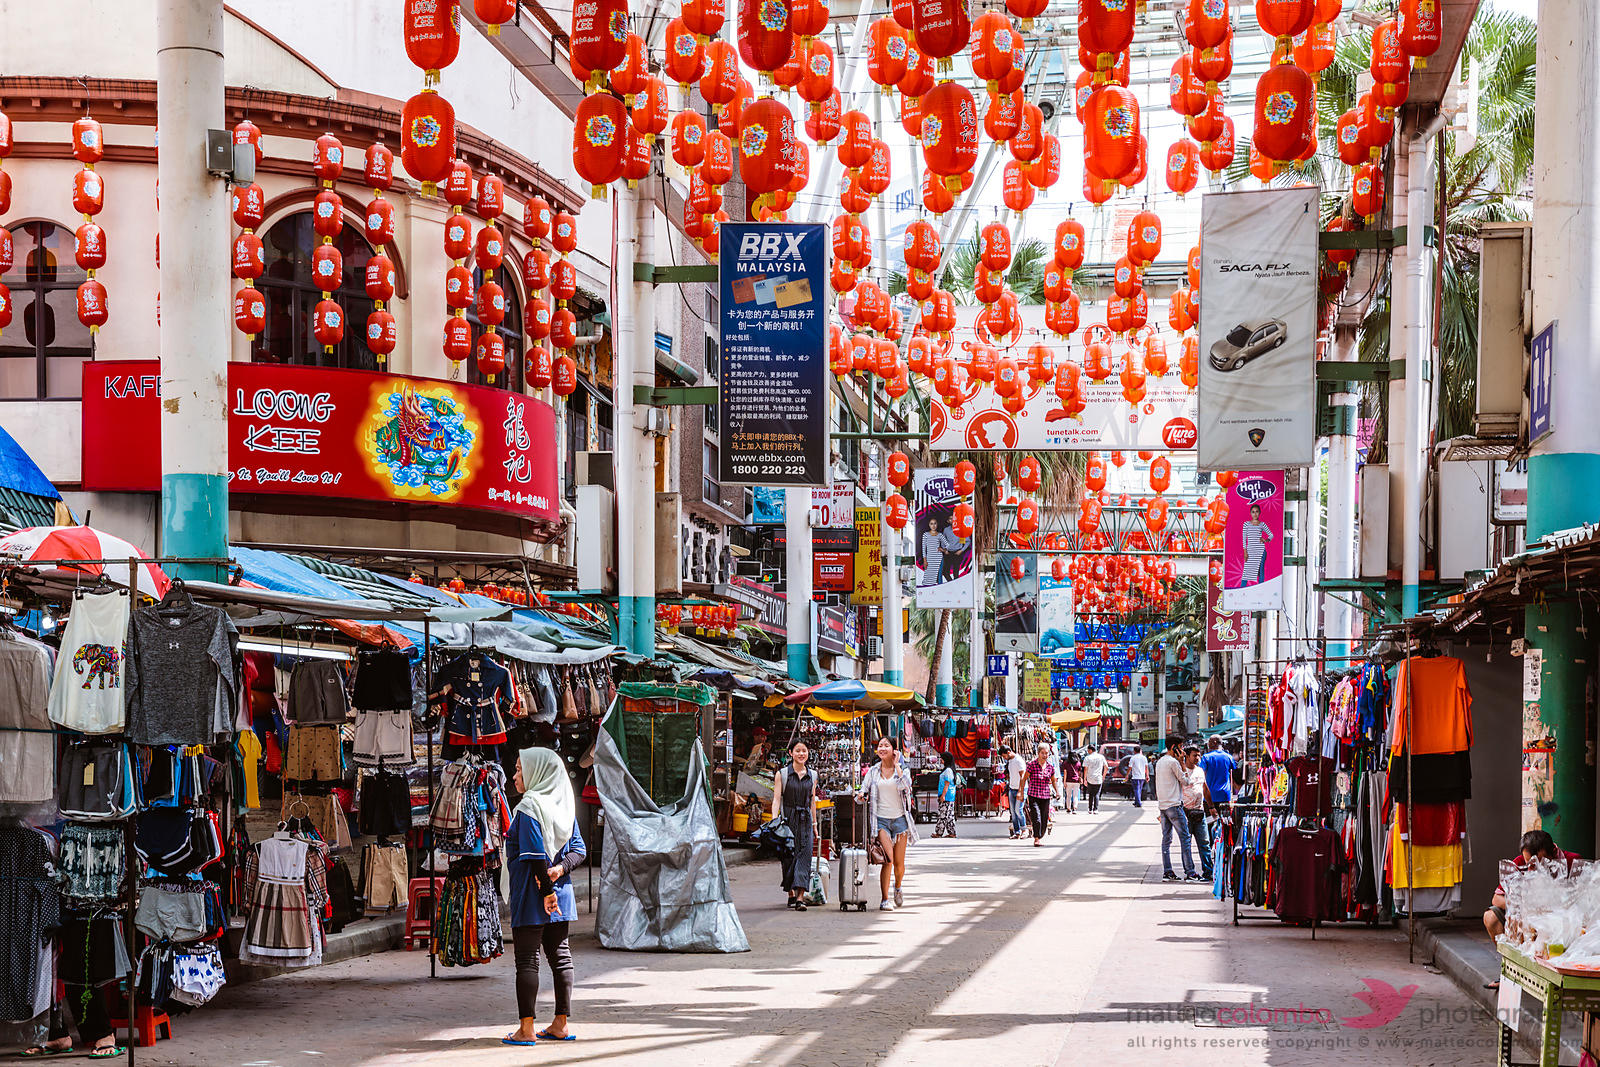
[181,681]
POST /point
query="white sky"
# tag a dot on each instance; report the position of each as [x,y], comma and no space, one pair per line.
[1529,8]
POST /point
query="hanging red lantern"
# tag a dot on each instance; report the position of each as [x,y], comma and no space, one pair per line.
[683,56]
[887,53]
[249,256]
[379,278]
[249,206]
[382,334]
[247,133]
[598,136]
[961,519]
[598,40]
[1045,170]
[432,36]
[1389,60]
[765,37]
[896,511]
[1160,474]
[1029,474]
[1179,315]
[249,311]
[940,28]
[1218,155]
[1314,49]
[1366,192]
[1421,30]
[688,139]
[1061,318]
[1144,237]
[88,141]
[1003,118]
[1185,89]
[327,215]
[995,246]
[327,324]
[1105,28]
[719,85]
[88,193]
[1285,113]
[991,48]
[1027,519]
[705,17]
[1206,25]
[1214,68]
[1111,132]
[898,469]
[564,376]
[1155,356]
[1069,246]
[1028,142]
[650,108]
[327,267]
[1285,19]
[1183,166]
[949,131]
[378,222]
[491,355]
[428,139]
[966,477]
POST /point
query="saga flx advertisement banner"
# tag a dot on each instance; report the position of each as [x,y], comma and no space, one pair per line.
[773,397]
[1252,543]
[944,558]
[1258,328]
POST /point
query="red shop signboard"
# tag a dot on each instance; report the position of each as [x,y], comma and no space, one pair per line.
[314,431]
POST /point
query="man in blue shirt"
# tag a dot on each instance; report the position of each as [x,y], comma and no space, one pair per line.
[1219,768]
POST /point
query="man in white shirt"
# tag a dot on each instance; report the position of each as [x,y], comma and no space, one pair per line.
[1170,780]
[1138,772]
[1094,776]
[1016,767]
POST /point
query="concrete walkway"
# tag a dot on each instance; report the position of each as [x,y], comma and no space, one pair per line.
[1071,953]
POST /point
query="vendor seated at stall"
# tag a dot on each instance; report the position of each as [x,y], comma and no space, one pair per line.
[1536,844]
[756,762]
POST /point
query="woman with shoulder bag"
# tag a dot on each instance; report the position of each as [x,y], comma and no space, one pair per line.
[794,800]
[887,789]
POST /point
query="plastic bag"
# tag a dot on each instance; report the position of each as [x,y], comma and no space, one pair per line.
[817,894]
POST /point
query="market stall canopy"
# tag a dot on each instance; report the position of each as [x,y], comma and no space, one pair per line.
[862,697]
[48,544]
[511,640]
[1073,720]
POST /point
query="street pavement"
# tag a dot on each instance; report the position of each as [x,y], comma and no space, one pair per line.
[1072,953]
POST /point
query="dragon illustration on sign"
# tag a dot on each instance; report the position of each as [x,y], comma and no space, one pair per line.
[422,442]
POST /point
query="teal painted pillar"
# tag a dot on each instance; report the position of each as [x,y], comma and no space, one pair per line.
[1562,801]
[194,523]
[800,662]
[644,626]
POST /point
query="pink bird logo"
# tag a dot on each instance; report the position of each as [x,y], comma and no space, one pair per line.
[1386,1003]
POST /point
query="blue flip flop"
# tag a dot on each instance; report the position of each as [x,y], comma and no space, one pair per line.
[546,1035]
[509,1040]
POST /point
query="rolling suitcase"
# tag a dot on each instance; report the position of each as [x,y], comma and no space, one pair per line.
[852,878]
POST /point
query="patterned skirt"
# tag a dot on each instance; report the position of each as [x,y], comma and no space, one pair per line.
[280,921]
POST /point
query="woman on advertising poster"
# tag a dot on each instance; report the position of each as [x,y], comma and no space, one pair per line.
[1257,535]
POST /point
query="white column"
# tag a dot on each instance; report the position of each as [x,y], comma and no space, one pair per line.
[626,447]
[641,471]
[1013,678]
[1341,555]
[196,291]
[893,631]
[1416,333]
[975,641]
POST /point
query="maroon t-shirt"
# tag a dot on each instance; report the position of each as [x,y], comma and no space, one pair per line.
[1313,785]
[1305,859]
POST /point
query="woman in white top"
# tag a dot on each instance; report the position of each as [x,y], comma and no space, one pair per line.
[887,789]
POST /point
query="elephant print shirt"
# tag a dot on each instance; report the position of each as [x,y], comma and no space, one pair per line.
[88,693]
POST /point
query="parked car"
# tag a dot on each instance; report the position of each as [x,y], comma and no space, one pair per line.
[1248,341]
[1116,754]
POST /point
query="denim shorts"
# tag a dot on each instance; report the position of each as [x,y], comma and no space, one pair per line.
[895,827]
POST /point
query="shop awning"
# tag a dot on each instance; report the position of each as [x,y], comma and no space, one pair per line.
[863,697]
[1073,720]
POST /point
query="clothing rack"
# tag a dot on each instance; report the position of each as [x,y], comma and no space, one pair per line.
[1241,809]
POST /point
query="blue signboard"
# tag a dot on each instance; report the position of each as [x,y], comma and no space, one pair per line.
[774,390]
[1541,382]
[1063,680]
[999,665]
[767,509]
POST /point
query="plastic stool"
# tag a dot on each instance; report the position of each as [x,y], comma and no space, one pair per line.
[153,1025]
[422,897]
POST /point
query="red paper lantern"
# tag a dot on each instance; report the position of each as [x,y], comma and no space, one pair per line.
[966,477]
[382,334]
[1185,88]
[428,139]
[598,137]
[1205,24]
[1028,143]
[898,469]
[491,355]
[765,37]
[380,278]
[940,28]
[1105,28]
[249,311]
[766,147]
[896,512]
[1045,169]
[88,141]
[720,83]
[246,132]
[705,17]
[919,76]
[458,288]
[949,131]
[327,323]
[1027,519]
[432,35]
[683,55]
[1286,113]
[249,256]
[1389,60]
[327,215]
[822,124]
[816,79]
[991,48]
[564,376]
[378,222]
[88,193]
[1366,191]
[1183,166]
[327,267]
[1016,191]
[1003,118]
[887,53]
[1314,49]
[457,338]
[539,362]
[598,40]
[1285,19]
[249,206]
[1218,155]
[1144,237]
[961,519]
[1028,474]
[1421,30]
[1111,132]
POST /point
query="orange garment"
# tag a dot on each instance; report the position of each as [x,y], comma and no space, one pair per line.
[1441,719]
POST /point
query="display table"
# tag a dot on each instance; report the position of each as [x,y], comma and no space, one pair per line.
[1556,992]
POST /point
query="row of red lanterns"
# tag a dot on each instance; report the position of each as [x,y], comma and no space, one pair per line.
[88,197]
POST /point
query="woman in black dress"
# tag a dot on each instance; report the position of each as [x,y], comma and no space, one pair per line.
[794,800]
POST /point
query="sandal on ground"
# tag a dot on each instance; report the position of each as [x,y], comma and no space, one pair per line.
[511,1039]
[798,905]
[41,1051]
[108,1052]
[546,1035]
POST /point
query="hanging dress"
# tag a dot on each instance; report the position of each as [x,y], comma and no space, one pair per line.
[280,927]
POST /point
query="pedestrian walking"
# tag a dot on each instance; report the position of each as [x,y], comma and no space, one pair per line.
[1169,801]
[1094,778]
[945,823]
[542,902]
[1016,773]
[794,800]
[1138,772]
[1071,778]
[1196,801]
[887,789]
[1042,787]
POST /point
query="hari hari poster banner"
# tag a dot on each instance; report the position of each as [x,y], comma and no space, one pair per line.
[1252,543]
[318,431]
[944,557]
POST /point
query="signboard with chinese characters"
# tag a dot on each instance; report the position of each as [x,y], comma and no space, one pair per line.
[774,327]
[1252,543]
[1226,631]
[316,431]
[869,558]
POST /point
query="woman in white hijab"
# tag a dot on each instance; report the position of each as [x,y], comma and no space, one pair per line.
[543,846]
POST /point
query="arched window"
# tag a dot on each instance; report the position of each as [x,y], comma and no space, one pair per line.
[42,352]
[510,331]
[292,298]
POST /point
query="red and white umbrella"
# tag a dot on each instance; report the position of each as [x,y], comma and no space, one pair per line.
[51,543]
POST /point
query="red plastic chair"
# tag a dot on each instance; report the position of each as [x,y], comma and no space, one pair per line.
[422,896]
[153,1024]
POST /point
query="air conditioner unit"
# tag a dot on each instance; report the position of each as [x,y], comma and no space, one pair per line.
[595,468]
[874,648]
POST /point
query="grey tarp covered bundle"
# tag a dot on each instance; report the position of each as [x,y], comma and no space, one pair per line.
[664,883]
